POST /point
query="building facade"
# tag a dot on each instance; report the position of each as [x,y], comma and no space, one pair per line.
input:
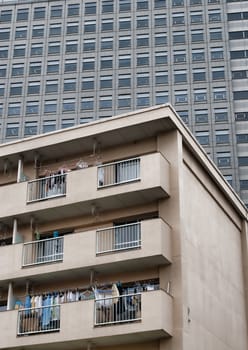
[66,63]
[120,234]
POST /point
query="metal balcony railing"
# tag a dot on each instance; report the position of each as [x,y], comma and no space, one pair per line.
[118,172]
[46,187]
[114,310]
[38,320]
[118,238]
[43,251]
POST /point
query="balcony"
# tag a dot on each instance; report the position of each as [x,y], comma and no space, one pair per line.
[150,318]
[43,251]
[139,245]
[110,186]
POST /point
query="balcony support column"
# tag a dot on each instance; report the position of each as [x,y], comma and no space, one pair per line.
[20,169]
[10,301]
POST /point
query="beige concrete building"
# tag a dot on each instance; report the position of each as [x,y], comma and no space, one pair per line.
[120,234]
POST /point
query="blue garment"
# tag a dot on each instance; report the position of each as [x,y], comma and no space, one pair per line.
[46,312]
[27,304]
[55,234]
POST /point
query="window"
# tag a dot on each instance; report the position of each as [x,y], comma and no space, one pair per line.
[36,49]
[49,125]
[90,8]
[1,109]
[243,184]
[215,34]
[178,18]
[52,67]
[38,31]
[69,104]
[242,138]
[223,159]
[17,70]
[70,85]
[161,58]
[197,35]
[159,3]
[124,80]
[124,5]
[143,79]
[67,123]
[107,25]
[14,109]
[239,74]
[142,22]
[19,50]
[73,10]
[242,34]
[124,42]
[39,12]
[87,103]
[220,115]
[184,115]
[107,6]
[196,17]
[88,64]
[56,11]
[160,21]
[176,3]
[34,87]
[30,128]
[106,44]
[219,94]
[35,68]
[214,16]
[160,39]
[105,102]
[142,40]
[4,52]
[89,44]
[202,137]
[142,59]
[4,34]
[199,74]
[222,136]
[32,107]
[85,119]
[161,97]
[201,116]
[3,70]
[143,99]
[124,101]
[228,178]
[71,46]
[15,89]
[21,32]
[217,53]
[70,66]
[22,15]
[106,62]
[88,83]
[12,130]
[181,96]
[161,78]
[200,95]
[125,23]
[240,95]
[50,106]
[90,26]
[51,86]
[180,76]
[2,86]
[218,73]
[106,82]
[55,29]
[124,61]
[179,56]
[178,37]
[241,116]
[142,4]
[243,161]
[5,16]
